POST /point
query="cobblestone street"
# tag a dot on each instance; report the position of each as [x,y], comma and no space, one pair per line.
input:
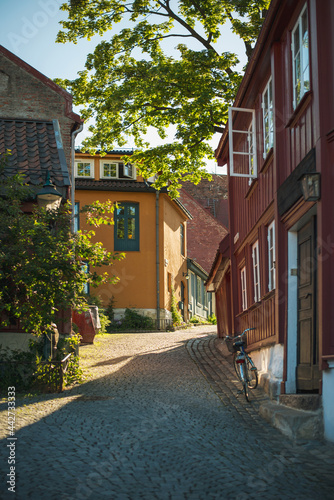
[158,417]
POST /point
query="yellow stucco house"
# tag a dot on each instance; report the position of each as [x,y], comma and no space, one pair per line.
[148,226]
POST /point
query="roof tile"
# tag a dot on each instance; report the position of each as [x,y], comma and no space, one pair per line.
[33,149]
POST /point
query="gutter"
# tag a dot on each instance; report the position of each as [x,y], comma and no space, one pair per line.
[157,256]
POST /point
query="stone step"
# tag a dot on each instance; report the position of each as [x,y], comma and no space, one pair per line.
[293,423]
[308,402]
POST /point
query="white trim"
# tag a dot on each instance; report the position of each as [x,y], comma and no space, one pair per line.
[251,144]
[256,271]
[87,162]
[271,257]
[292,319]
[243,288]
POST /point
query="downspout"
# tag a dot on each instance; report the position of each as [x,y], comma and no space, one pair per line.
[73,136]
[157,256]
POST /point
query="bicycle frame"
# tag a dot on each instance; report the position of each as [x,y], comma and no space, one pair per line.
[242,362]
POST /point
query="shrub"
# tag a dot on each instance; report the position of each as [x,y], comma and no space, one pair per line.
[212,319]
[133,320]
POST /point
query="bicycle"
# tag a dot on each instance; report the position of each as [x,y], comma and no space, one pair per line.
[243,363]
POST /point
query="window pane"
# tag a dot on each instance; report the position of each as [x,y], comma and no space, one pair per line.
[120,229]
[109,170]
[131,228]
[296,40]
[132,210]
[83,169]
[120,210]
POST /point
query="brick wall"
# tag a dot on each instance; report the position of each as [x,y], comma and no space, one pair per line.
[23,95]
[212,195]
[204,232]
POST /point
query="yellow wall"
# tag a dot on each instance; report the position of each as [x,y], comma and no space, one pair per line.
[171,219]
[137,272]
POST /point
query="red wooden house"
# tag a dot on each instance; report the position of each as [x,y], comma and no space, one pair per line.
[275,269]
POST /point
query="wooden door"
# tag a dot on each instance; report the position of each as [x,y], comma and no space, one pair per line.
[307,348]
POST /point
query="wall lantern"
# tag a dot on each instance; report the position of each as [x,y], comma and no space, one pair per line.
[48,197]
[311,186]
[186,275]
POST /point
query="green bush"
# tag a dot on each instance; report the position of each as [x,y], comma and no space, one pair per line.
[212,319]
[133,320]
[104,320]
[28,371]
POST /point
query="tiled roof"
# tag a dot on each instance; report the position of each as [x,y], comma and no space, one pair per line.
[112,185]
[35,148]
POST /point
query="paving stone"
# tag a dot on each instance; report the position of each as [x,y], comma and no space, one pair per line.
[159,417]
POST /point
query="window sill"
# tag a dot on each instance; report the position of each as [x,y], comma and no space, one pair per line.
[297,113]
[267,161]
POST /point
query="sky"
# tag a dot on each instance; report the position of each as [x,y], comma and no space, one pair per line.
[28,28]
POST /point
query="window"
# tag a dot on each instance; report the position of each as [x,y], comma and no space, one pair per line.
[126,229]
[271,256]
[128,170]
[199,297]
[116,170]
[242,142]
[84,169]
[243,288]
[182,239]
[300,58]
[76,217]
[85,269]
[268,118]
[256,271]
[108,170]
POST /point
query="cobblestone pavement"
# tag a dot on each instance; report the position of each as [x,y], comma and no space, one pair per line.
[147,424]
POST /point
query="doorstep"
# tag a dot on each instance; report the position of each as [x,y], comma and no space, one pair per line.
[297,416]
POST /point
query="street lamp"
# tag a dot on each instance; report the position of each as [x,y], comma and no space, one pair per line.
[311,186]
[48,197]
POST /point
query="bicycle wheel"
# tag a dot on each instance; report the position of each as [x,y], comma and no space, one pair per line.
[237,366]
[252,377]
[244,381]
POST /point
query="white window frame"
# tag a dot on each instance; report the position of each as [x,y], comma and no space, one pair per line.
[251,153]
[271,257]
[126,167]
[304,59]
[108,162]
[243,288]
[268,118]
[256,271]
[89,162]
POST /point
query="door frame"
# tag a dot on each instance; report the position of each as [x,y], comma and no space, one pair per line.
[292,302]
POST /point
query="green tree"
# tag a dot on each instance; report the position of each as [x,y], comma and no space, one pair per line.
[132,82]
[41,262]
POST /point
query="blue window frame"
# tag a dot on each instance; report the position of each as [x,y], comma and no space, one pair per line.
[126,229]
[76,218]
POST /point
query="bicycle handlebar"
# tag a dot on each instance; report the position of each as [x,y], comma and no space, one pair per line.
[239,334]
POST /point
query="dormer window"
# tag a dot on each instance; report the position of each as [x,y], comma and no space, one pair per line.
[116,170]
[84,168]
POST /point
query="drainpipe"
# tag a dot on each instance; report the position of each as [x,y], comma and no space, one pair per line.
[73,136]
[157,256]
